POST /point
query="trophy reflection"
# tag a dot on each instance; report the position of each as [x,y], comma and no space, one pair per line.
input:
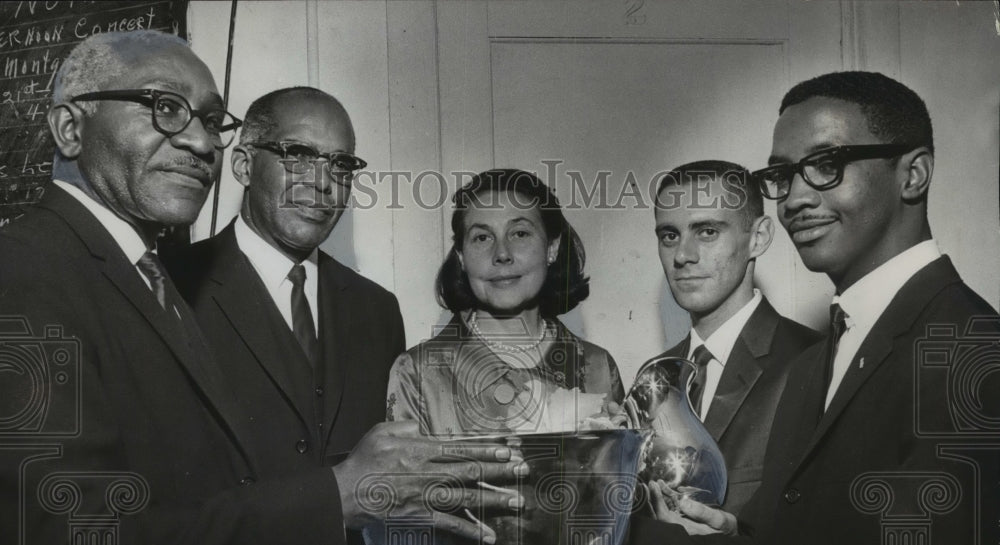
[680,451]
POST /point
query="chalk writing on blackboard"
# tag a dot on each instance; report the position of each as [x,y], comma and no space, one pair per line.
[35,37]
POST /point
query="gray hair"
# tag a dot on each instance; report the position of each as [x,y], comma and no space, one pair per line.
[102,58]
[261,117]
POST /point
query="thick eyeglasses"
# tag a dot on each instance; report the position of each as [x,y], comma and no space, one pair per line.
[172,113]
[299,158]
[823,169]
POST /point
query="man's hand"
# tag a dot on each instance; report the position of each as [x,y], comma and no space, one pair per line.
[611,417]
[395,471]
[697,518]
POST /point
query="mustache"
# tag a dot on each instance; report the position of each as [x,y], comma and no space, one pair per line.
[190,162]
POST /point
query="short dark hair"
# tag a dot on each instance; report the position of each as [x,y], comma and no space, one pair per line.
[261,118]
[565,284]
[737,182]
[895,113]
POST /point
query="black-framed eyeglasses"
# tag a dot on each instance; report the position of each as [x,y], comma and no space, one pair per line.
[823,169]
[299,158]
[172,113]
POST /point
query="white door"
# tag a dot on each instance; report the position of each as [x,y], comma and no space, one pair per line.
[598,97]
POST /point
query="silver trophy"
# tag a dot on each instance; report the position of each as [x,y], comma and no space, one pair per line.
[680,451]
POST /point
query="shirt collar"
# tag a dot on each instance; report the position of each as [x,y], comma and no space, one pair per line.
[125,235]
[721,342]
[868,298]
[271,265]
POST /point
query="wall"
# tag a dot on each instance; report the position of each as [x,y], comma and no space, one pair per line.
[382,59]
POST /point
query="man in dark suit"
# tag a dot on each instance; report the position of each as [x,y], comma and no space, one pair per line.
[118,425]
[305,407]
[881,434]
[711,228]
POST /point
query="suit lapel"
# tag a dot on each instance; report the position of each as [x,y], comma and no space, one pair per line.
[681,350]
[798,411]
[742,369]
[185,343]
[338,338]
[244,300]
[113,264]
[738,377]
[897,320]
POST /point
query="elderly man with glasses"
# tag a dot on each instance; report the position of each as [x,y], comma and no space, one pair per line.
[118,424]
[307,342]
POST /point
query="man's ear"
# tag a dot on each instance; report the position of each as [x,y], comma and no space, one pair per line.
[66,124]
[919,167]
[761,235]
[241,161]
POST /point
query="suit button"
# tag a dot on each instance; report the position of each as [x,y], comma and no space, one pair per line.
[792,495]
[319,391]
[302,446]
[246,481]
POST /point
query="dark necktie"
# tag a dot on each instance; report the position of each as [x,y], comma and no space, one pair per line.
[838,324]
[701,359]
[152,269]
[302,320]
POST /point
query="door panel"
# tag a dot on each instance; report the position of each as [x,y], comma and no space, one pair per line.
[598,99]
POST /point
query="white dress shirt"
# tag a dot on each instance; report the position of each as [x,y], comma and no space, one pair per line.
[273,267]
[125,235]
[866,300]
[720,344]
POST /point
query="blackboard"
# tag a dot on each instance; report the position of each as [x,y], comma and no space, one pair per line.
[35,37]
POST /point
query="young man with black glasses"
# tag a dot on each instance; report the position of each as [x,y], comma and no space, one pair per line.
[884,431]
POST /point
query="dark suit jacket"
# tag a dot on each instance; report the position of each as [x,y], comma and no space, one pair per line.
[133,415]
[742,410]
[300,419]
[895,452]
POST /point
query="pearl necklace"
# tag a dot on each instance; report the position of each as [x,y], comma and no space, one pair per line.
[508,348]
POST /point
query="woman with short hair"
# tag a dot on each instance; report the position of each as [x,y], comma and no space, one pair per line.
[505,363]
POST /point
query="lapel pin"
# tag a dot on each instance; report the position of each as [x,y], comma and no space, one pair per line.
[861,364]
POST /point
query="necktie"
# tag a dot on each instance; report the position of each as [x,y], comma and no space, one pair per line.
[152,269]
[302,320]
[838,324]
[701,359]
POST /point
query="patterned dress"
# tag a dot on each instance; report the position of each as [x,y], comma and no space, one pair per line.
[455,385]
